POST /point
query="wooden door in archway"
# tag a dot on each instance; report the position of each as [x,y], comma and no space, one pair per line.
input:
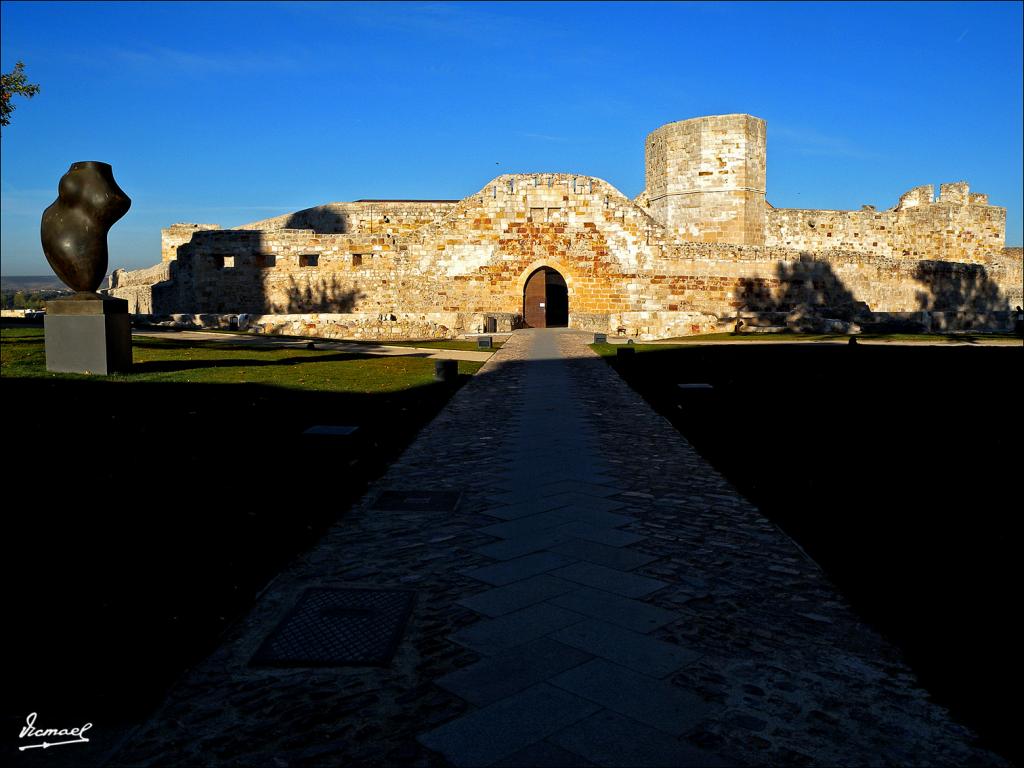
[546,300]
[535,300]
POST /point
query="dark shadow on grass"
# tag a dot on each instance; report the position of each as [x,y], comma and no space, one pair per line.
[895,467]
[24,340]
[164,366]
[257,344]
[133,544]
[859,452]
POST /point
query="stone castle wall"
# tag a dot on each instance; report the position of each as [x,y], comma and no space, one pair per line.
[361,217]
[695,250]
[382,217]
[472,260]
[959,226]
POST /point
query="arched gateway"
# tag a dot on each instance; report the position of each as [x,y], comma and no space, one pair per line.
[546,300]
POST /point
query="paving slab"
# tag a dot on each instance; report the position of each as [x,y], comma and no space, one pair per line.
[584,501]
[497,677]
[646,699]
[630,614]
[641,653]
[577,486]
[486,735]
[493,636]
[610,739]
[512,597]
[610,536]
[525,508]
[543,754]
[599,519]
[619,558]
[609,579]
[532,524]
[519,568]
[518,546]
[554,474]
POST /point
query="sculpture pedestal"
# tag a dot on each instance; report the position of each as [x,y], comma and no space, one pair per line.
[91,334]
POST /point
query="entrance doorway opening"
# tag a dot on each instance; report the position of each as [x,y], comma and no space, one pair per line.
[546,300]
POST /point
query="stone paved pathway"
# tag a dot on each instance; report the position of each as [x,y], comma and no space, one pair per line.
[600,597]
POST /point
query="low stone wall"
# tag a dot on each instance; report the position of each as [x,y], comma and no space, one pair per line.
[664,325]
[137,287]
[644,326]
[353,325]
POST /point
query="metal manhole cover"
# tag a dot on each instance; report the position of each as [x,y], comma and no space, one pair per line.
[339,628]
[416,501]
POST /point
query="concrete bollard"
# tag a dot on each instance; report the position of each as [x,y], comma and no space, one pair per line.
[446,370]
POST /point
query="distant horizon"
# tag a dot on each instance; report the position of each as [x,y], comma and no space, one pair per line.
[230,113]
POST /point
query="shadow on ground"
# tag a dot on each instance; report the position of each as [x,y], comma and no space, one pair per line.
[896,468]
[143,518]
[164,366]
[146,518]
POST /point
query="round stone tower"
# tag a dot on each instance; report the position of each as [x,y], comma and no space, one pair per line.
[706,178]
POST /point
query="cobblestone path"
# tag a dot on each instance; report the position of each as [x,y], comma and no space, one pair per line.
[601,596]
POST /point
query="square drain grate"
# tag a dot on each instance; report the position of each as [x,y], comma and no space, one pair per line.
[416,501]
[339,628]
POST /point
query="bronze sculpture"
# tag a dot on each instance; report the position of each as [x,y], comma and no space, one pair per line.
[87,332]
[74,228]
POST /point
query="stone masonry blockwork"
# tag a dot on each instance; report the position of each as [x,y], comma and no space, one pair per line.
[699,250]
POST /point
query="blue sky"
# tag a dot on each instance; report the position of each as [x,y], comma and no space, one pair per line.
[228,113]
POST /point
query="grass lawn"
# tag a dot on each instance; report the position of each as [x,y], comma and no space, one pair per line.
[460,344]
[465,345]
[896,468]
[145,511]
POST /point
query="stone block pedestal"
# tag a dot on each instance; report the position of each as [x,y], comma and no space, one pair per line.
[446,370]
[88,333]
